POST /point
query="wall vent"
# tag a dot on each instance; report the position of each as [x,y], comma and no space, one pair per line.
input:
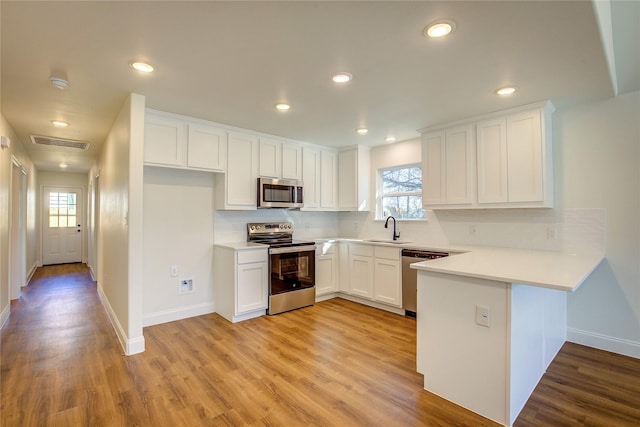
[58,142]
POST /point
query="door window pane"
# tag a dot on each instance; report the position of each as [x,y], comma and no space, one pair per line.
[62,209]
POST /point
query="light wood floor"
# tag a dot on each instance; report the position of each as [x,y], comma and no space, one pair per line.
[334,364]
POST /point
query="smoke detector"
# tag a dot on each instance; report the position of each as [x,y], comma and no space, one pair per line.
[59,83]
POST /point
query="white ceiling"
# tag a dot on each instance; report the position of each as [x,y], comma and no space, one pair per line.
[231,62]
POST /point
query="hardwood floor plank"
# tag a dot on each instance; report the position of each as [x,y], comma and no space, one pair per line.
[336,363]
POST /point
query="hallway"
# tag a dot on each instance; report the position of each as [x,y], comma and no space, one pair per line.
[50,343]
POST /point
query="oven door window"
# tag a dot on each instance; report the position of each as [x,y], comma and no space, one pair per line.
[292,271]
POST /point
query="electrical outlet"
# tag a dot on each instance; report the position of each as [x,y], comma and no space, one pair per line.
[551,232]
[483,316]
[174,271]
[356,227]
[472,230]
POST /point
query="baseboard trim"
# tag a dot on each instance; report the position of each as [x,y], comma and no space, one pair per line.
[32,271]
[4,316]
[129,346]
[177,314]
[373,304]
[604,342]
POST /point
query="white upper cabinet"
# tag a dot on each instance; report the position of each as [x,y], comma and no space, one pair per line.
[492,160]
[448,166]
[207,148]
[311,177]
[175,141]
[353,179]
[237,189]
[328,179]
[164,140]
[319,174]
[515,166]
[291,160]
[524,157]
[280,159]
[270,158]
[507,163]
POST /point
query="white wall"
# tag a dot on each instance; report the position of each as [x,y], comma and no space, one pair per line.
[16,150]
[120,234]
[598,167]
[597,199]
[178,231]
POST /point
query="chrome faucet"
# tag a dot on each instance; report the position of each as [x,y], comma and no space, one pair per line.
[396,236]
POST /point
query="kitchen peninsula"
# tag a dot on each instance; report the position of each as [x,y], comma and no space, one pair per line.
[490,321]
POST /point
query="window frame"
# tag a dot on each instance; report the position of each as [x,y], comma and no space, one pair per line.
[379,214]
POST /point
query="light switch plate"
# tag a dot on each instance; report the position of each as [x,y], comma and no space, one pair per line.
[482,316]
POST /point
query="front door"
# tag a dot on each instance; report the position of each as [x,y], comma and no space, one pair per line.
[62,225]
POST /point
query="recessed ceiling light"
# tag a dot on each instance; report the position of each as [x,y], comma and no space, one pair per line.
[283,107]
[141,66]
[390,139]
[362,131]
[59,123]
[504,91]
[439,29]
[63,165]
[59,83]
[341,77]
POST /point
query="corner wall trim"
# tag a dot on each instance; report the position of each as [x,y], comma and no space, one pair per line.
[604,342]
[32,271]
[129,346]
[4,316]
[177,314]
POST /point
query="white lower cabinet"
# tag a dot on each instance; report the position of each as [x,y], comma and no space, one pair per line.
[326,268]
[242,282]
[361,270]
[388,276]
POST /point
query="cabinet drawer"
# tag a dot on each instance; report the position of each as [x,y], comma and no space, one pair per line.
[362,250]
[257,255]
[387,253]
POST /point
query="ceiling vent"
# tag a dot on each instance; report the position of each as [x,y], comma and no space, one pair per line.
[58,142]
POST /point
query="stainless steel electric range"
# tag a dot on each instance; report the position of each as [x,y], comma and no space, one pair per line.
[292,275]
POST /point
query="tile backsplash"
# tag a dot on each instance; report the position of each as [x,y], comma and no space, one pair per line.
[567,230]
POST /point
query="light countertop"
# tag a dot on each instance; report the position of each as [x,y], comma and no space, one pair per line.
[554,270]
[242,246]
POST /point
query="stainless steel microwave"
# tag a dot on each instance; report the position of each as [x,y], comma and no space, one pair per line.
[279,193]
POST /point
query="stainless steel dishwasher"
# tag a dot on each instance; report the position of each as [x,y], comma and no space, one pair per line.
[410,276]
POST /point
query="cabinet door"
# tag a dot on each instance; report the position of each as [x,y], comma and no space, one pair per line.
[311,177]
[524,157]
[251,287]
[164,140]
[328,182]
[270,158]
[491,140]
[348,180]
[388,286]
[207,148]
[291,161]
[459,163]
[325,274]
[241,185]
[361,272]
[433,169]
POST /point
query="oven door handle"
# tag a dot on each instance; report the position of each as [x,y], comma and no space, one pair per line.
[292,249]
